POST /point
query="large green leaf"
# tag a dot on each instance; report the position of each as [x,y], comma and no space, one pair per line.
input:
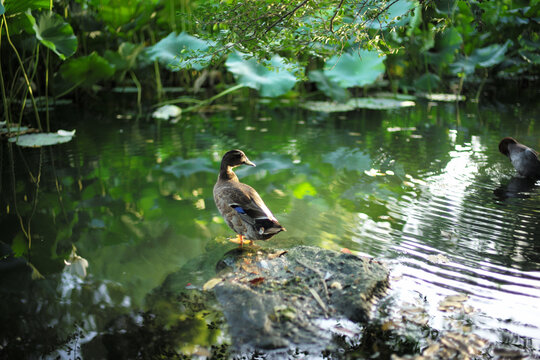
[2,9]
[447,44]
[484,57]
[270,82]
[328,87]
[56,34]
[180,51]
[15,6]
[87,70]
[126,57]
[360,68]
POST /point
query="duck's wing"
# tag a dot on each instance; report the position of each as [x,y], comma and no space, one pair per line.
[249,205]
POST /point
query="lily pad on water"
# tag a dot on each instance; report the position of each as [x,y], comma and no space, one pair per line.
[13,129]
[357,103]
[269,82]
[380,103]
[180,167]
[43,139]
[327,106]
[166,112]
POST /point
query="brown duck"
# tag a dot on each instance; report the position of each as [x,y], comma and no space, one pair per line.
[240,205]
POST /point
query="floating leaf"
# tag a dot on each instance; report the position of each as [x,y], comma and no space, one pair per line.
[380,103]
[87,70]
[56,34]
[166,112]
[360,68]
[42,139]
[327,106]
[13,129]
[168,51]
[270,82]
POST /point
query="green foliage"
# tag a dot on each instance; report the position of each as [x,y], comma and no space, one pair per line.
[16,6]
[56,34]
[271,82]
[330,88]
[483,58]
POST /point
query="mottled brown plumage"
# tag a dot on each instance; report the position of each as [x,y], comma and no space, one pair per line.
[240,205]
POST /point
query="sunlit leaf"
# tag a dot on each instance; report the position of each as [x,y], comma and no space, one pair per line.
[397,9]
[2,9]
[270,82]
[166,112]
[87,70]
[56,34]
[359,68]
[304,189]
[42,139]
[171,50]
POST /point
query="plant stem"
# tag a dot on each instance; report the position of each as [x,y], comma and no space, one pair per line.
[207,101]
[24,73]
[4,96]
[139,90]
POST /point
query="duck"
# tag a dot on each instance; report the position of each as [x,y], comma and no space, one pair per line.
[240,205]
[524,159]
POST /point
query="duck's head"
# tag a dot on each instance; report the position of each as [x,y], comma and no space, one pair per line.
[503,145]
[235,158]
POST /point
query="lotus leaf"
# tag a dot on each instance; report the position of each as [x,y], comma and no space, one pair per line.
[166,112]
[484,57]
[360,68]
[13,129]
[87,70]
[327,106]
[168,51]
[427,82]
[15,6]
[398,12]
[328,87]
[185,167]
[270,82]
[348,159]
[56,34]
[43,139]
[379,103]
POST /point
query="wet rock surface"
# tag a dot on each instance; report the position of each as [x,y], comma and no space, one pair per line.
[275,299]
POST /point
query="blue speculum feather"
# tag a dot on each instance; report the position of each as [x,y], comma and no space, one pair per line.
[239,209]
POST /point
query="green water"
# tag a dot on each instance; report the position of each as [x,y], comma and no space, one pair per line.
[135,199]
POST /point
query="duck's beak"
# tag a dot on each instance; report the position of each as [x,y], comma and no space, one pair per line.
[247,162]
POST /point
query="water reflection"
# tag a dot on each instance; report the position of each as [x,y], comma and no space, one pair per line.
[431,196]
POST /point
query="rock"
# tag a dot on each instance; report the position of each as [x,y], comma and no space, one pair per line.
[279,299]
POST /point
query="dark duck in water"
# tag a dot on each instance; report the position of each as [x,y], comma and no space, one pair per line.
[240,205]
[524,159]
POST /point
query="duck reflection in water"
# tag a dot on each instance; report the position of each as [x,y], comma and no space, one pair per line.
[517,187]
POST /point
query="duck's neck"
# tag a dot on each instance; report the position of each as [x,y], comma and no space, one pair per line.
[227,174]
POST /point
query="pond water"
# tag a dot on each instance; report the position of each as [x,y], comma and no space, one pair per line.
[424,189]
